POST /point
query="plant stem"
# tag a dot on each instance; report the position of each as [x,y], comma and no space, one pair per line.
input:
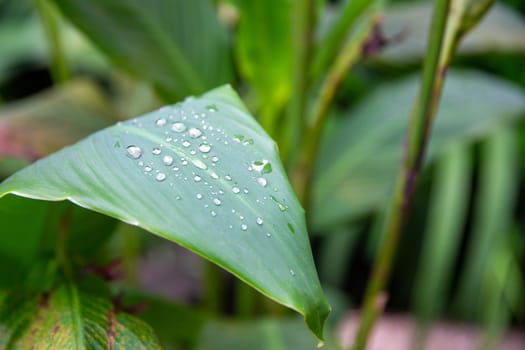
[59,70]
[418,131]
[349,55]
[331,43]
[304,24]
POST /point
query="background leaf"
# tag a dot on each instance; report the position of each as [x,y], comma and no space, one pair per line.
[42,124]
[359,153]
[179,46]
[263,334]
[203,174]
[69,319]
[501,30]
[263,45]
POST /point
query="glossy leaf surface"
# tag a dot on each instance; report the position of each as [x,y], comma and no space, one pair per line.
[201,173]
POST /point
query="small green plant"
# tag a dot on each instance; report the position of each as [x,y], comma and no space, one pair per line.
[207,175]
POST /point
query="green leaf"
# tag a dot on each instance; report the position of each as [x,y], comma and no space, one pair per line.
[263,45]
[262,334]
[163,314]
[42,124]
[26,245]
[359,154]
[501,30]
[492,220]
[179,46]
[442,239]
[69,319]
[190,174]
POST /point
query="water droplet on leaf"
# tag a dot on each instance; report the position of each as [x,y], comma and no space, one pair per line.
[167,160]
[178,127]
[204,148]
[134,151]
[194,133]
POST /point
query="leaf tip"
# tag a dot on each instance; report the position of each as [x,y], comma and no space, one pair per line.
[315,319]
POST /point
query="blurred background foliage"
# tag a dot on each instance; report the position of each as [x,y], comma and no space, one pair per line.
[71,67]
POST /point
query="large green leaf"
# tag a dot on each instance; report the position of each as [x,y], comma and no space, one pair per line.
[360,155]
[70,319]
[180,46]
[501,30]
[201,173]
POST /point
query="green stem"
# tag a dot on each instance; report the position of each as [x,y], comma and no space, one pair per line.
[59,70]
[304,24]
[331,44]
[349,55]
[419,127]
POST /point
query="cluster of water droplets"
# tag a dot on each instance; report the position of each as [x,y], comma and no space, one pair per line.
[188,153]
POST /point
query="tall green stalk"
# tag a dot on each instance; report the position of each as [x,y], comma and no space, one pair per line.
[451,19]
[419,127]
[59,69]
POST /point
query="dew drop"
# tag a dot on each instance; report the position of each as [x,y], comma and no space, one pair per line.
[147,168]
[175,168]
[199,196]
[212,108]
[262,166]
[204,148]
[178,198]
[248,142]
[160,177]
[244,227]
[197,178]
[186,143]
[160,122]
[268,235]
[245,190]
[167,160]
[292,272]
[134,151]
[214,214]
[194,133]
[262,181]
[290,227]
[259,221]
[156,151]
[217,201]
[236,190]
[238,137]
[214,175]
[228,177]
[178,127]
[214,159]
[199,164]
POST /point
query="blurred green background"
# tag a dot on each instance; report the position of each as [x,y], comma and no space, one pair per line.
[462,255]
